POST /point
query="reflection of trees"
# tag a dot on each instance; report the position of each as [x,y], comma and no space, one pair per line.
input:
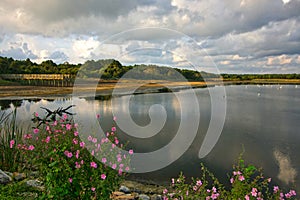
[5,104]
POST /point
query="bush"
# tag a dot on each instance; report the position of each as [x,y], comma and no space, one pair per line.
[247,182]
[67,168]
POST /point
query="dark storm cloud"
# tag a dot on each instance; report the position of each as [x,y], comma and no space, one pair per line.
[56,10]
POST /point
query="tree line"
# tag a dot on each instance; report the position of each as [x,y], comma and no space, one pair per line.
[112,70]
[249,77]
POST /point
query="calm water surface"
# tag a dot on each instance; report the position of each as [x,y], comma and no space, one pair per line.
[262,120]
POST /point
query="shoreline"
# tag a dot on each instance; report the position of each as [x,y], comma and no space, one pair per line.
[106,88]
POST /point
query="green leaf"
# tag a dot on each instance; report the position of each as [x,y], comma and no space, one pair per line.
[52,164]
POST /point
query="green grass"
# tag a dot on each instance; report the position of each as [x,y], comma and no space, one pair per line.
[18,191]
[7,83]
[10,158]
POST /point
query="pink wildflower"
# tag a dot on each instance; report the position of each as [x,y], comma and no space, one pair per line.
[116,141]
[77,154]
[276,189]
[103,160]
[247,197]
[11,143]
[127,169]
[214,189]
[48,139]
[103,176]
[293,192]
[130,151]
[75,141]
[114,118]
[199,183]
[269,180]
[237,173]
[31,147]
[114,166]
[93,165]
[113,129]
[36,114]
[231,180]
[68,126]
[173,181]
[82,144]
[65,116]
[90,138]
[68,154]
[77,165]
[241,178]
[215,196]
[93,189]
[120,171]
[76,133]
[94,140]
[70,180]
[98,116]
[254,192]
[36,130]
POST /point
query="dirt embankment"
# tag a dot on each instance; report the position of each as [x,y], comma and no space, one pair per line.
[14,91]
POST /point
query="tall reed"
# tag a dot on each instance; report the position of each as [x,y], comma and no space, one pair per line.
[10,137]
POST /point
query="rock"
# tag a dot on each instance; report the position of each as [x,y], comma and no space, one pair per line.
[9,173]
[124,189]
[35,183]
[19,176]
[143,188]
[34,174]
[158,197]
[144,197]
[4,178]
[118,193]
[121,196]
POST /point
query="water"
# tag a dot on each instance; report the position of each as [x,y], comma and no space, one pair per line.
[261,120]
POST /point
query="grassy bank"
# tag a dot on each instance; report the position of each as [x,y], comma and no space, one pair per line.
[11,90]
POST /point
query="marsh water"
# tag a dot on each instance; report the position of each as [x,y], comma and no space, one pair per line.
[261,121]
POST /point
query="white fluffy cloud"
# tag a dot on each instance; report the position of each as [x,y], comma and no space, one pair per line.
[242,36]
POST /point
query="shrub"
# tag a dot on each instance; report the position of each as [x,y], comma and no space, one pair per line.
[247,182]
[68,169]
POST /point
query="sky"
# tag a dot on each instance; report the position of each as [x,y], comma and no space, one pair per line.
[232,36]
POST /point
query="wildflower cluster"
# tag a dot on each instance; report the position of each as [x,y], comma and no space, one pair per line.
[246,182]
[198,189]
[68,164]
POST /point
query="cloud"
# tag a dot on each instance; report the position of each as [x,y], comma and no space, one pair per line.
[18,51]
[58,56]
[287,173]
[239,35]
